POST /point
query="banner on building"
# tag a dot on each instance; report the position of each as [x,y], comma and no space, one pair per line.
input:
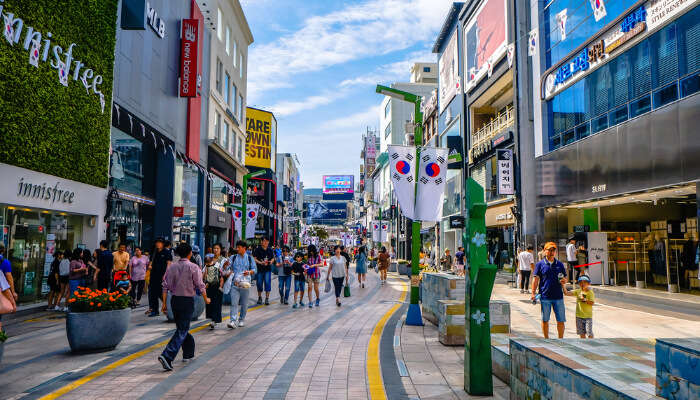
[506,180]
[449,84]
[252,211]
[370,147]
[431,183]
[485,39]
[532,43]
[384,233]
[599,11]
[189,40]
[403,177]
[561,23]
[261,138]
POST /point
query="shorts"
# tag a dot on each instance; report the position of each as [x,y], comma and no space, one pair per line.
[584,326]
[313,280]
[559,310]
[63,279]
[264,280]
[299,285]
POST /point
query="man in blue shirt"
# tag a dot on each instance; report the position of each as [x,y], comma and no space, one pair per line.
[6,269]
[242,269]
[550,280]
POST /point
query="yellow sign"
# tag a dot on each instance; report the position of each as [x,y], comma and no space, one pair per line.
[261,137]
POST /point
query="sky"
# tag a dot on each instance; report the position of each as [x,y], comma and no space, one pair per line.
[315,64]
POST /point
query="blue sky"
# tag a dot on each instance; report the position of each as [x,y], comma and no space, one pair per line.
[315,64]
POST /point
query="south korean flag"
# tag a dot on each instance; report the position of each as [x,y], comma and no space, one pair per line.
[384,232]
[403,176]
[237,219]
[376,232]
[253,211]
[431,183]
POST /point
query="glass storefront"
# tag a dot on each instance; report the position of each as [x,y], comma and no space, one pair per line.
[218,197]
[185,202]
[31,238]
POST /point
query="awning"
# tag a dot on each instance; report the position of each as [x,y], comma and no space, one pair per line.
[500,215]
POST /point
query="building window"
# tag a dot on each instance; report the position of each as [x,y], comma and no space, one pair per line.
[387,109]
[219,24]
[219,73]
[227,89]
[228,40]
[690,85]
[426,69]
[387,130]
[233,143]
[240,108]
[235,56]
[665,95]
[224,143]
[640,106]
[217,127]
[242,65]
[240,150]
[234,99]
[618,116]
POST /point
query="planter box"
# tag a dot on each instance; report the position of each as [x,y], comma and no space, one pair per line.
[199,307]
[404,269]
[393,266]
[101,330]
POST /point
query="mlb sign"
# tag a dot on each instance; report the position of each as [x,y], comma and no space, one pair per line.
[506,180]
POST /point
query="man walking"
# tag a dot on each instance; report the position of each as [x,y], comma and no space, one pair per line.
[121,258]
[265,258]
[160,261]
[243,267]
[184,280]
[105,263]
[550,279]
[526,263]
[571,258]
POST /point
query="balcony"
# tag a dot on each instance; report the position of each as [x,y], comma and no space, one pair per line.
[496,125]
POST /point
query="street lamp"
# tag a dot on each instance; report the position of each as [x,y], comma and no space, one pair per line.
[414,316]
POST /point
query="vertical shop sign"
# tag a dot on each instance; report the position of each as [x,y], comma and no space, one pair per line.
[506,184]
[188,57]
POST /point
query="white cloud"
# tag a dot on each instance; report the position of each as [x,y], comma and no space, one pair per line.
[398,71]
[290,107]
[359,120]
[373,28]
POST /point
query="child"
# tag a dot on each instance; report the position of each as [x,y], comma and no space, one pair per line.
[298,270]
[313,273]
[122,283]
[584,307]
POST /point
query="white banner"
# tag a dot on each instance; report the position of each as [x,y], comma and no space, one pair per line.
[384,232]
[431,184]
[251,220]
[403,177]
[376,229]
[237,219]
[561,23]
[532,43]
[506,180]
[599,11]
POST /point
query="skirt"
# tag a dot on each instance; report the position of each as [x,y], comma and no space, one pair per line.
[214,307]
[361,268]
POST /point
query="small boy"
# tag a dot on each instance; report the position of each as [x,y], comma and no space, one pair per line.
[584,307]
[298,270]
[122,283]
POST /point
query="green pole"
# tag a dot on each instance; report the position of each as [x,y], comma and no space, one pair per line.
[414,316]
[244,199]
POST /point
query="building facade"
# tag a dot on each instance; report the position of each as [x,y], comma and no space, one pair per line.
[615,100]
[289,194]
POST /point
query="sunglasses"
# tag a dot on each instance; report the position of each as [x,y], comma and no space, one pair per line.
[551,249]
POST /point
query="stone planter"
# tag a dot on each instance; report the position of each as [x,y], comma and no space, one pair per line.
[404,269]
[100,330]
[199,306]
[393,267]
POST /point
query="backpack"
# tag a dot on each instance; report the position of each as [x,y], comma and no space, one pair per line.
[211,274]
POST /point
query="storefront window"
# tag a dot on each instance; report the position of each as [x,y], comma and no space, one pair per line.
[218,193]
[453,187]
[128,164]
[185,200]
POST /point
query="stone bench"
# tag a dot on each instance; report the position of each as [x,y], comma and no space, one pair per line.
[437,286]
[678,368]
[451,320]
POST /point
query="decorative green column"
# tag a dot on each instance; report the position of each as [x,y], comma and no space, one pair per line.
[477,349]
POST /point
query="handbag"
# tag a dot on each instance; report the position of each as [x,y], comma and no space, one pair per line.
[327,288]
[5,304]
[346,291]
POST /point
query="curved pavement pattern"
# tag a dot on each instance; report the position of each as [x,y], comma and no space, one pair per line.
[281,353]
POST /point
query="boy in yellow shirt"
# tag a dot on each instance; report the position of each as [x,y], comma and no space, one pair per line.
[584,307]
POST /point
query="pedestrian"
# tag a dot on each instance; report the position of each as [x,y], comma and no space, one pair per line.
[137,270]
[446,261]
[338,270]
[571,259]
[161,260]
[214,274]
[313,273]
[7,293]
[77,272]
[63,278]
[184,281]
[89,260]
[242,270]
[265,258]
[122,282]
[121,258]
[584,307]
[196,257]
[549,279]
[284,275]
[383,261]
[52,281]
[299,273]
[105,263]
[459,261]
[345,255]
[6,269]
[361,266]
[526,263]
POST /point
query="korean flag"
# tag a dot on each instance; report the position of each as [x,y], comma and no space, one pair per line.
[237,219]
[431,183]
[385,232]
[599,11]
[403,176]
[376,231]
[253,211]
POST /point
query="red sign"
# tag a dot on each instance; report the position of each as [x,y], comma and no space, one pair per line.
[178,211]
[188,57]
[285,237]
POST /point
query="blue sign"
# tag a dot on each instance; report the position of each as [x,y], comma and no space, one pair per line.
[566,71]
[639,15]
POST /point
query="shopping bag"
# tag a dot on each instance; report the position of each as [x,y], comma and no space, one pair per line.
[327,288]
[346,291]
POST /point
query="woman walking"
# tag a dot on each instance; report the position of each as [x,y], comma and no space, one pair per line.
[78,270]
[313,273]
[214,275]
[91,268]
[54,285]
[63,273]
[361,266]
[383,264]
[338,269]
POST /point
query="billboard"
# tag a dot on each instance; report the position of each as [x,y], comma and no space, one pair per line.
[333,184]
[485,42]
[326,213]
[261,139]
[449,73]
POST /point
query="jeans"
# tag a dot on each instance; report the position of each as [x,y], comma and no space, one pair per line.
[155,290]
[239,297]
[73,285]
[285,284]
[263,278]
[182,308]
[524,279]
[299,285]
[559,310]
[137,290]
[338,286]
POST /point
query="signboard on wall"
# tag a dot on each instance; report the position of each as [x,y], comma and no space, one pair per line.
[449,73]
[261,138]
[506,180]
[326,213]
[485,40]
[370,148]
[598,253]
[188,57]
[338,187]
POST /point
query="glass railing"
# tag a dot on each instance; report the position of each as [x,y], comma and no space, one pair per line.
[496,125]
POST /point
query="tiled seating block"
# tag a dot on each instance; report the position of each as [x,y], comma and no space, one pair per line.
[451,320]
[438,286]
[581,369]
[499,313]
[678,368]
[500,356]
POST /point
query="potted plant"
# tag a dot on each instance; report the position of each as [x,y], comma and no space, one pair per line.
[404,267]
[97,320]
[3,338]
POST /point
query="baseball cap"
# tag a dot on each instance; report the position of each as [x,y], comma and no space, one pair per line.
[584,278]
[549,245]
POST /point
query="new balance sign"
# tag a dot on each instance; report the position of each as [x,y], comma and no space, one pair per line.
[188,57]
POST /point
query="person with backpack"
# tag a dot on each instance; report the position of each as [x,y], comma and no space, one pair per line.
[238,284]
[214,274]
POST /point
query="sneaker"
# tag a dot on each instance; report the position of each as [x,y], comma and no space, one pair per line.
[153,314]
[65,309]
[259,300]
[267,302]
[231,325]
[301,304]
[57,308]
[527,291]
[295,305]
[318,302]
[338,304]
[363,286]
[212,325]
[167,365]
[241,324]
[522,291]
[311,305]
[186,360]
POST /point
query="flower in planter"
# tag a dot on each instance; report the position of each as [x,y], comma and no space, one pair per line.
[89,300]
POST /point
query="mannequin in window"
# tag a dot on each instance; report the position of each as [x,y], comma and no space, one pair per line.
[687,260]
